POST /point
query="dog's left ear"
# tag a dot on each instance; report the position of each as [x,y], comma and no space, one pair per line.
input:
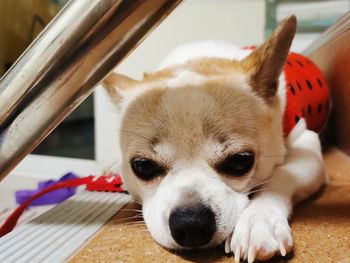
[116,83]
[265,64]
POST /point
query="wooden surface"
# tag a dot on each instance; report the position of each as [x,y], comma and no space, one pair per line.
[321,230]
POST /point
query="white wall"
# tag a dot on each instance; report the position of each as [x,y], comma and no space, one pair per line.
[238,21]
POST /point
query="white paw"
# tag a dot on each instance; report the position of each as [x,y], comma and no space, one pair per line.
[259,234]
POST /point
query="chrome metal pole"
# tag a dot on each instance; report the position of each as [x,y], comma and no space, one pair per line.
[82,44]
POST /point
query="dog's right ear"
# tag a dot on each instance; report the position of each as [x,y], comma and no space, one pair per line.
[116,83]
[265,64]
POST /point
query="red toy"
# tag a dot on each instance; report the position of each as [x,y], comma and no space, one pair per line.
[307,94]
[93,183]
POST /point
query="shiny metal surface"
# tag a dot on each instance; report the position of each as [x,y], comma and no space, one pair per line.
[331,52]
[86,40]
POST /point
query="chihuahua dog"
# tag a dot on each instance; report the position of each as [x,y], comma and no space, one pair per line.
[204,147]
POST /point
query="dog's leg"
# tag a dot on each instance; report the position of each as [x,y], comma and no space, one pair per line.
[263,230]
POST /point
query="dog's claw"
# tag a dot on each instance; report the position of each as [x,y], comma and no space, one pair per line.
[261,235]
[228,246]
[285,244]
[238,254]
[251,255]
[282,249]
[244,254]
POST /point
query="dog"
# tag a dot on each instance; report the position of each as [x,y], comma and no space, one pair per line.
[205,148]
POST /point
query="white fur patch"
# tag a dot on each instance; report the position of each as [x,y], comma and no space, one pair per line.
[185,78]
[164,150]
[182,78]
[209,49]
[177,188]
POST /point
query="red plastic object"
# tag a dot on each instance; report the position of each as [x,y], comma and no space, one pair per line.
[105,183]
[308,94]
[99,183]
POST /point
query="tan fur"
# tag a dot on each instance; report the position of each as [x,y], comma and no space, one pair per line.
[156,76]
[219,110]
[115,81]
[169,116]
[265,64]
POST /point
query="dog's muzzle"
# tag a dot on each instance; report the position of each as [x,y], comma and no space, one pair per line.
[192,226]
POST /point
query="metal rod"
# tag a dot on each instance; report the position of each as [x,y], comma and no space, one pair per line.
[84,42]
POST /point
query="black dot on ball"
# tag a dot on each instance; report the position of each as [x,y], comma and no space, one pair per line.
[292,89]
[300,64]
[296,118]
[299,86]
[309,84]
[319,108]
[319,83]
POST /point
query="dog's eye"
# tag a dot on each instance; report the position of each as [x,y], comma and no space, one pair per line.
[237,164]
[146,169]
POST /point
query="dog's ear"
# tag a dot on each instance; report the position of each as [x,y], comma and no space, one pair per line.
[265,64]
[116,83]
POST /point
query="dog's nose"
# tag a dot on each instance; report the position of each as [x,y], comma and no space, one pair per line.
[192,226]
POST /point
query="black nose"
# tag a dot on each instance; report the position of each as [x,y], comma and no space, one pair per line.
[192,226]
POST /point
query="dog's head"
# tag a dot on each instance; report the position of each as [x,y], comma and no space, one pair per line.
[196,138]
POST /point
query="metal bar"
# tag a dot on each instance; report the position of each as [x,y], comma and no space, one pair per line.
[59,70]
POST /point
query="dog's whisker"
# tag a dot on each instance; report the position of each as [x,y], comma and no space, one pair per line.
[136,222]
[256,191]
[121,222]
[137,202]
[254,186]
[136,226]
[133,224]
[260,183]
[140,222]
[135,216]
[133,210]
[126,218]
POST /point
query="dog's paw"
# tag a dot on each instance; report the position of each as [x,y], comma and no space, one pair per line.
[259,234]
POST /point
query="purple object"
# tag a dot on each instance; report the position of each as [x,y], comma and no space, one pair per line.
[53,197]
